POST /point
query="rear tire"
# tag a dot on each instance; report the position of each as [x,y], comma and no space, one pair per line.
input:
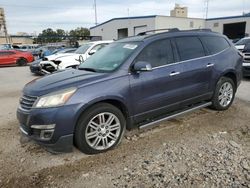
[99,129]
[22,62]
[224,94]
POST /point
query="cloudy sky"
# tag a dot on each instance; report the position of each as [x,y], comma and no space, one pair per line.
[35,15]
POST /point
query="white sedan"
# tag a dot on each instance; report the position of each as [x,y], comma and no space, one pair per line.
[74,59]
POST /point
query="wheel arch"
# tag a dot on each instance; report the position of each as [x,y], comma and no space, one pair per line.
[117,102]
[231,74]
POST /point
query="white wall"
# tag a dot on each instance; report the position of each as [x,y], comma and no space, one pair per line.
[108,31]
[219,29]
[180,23]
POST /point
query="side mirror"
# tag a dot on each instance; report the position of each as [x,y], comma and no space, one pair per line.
[142,66]
[92,52]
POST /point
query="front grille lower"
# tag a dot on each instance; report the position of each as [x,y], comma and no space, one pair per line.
[26,102]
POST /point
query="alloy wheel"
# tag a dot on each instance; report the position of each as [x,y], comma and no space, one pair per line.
[103,131]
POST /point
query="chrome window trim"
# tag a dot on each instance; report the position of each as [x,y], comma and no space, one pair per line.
[179,62]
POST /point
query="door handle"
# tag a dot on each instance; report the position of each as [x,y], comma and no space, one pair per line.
[174,73]
[210,65]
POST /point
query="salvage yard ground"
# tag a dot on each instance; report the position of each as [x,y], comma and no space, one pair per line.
[202,149]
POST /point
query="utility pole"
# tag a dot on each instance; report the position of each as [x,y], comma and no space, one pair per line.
[3,25]
[95,12]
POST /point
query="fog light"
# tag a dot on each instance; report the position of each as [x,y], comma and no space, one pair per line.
[46,134]
[50,126]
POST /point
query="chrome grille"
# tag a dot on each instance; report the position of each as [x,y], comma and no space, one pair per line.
[26,102]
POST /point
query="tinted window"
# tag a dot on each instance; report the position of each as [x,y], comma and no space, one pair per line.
[157,53]
[189,48]
[214,44]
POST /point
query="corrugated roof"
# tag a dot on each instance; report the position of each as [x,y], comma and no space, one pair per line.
[124,18]
[229,17]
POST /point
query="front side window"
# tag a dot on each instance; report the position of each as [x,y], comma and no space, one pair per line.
[215,44]
[189,48]
[110,58]
[158,53]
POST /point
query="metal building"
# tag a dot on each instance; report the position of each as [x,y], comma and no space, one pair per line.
[117,28]
[233,27]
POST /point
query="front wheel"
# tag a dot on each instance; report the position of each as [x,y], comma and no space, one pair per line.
[99,129]
[224,94]
[22,62]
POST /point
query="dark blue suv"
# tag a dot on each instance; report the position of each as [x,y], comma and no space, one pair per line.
[133,82]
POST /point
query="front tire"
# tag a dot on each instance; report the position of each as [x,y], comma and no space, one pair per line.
[99,129]
[224,94]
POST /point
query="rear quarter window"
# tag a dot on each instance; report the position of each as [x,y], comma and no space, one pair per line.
[215,44]
[189,48]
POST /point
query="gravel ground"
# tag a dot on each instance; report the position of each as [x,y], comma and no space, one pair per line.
[202,149]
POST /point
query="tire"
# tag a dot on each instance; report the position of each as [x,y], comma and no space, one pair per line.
[99,129]
[224,94]
[22,62]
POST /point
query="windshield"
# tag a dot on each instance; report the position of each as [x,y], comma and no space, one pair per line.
[82,49]
[110,57]
[242,42]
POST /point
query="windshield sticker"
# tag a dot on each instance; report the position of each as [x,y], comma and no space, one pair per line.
[130,46]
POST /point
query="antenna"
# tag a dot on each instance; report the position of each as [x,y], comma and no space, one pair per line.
[95,12]
[206,7]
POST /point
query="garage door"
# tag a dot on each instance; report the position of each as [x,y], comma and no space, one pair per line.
[140,29]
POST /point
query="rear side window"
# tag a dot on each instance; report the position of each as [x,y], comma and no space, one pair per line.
[189,48]
[215,44]
[158,53]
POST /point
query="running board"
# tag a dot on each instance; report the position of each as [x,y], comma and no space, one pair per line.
[174,115]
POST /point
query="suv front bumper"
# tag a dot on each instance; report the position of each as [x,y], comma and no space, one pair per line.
[49,127]
[246,69]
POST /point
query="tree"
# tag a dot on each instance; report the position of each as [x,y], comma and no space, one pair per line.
[50,36]
[79,33]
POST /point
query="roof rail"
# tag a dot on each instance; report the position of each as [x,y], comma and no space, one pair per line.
[167,29]
[203,29]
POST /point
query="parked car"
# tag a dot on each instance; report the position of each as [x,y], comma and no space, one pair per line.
[64,61]
[242,42]
[5,46]
[133,82]
[246,60]
[43,51]
[15,57]
[35,66]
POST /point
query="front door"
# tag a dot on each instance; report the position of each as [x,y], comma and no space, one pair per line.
[156,91]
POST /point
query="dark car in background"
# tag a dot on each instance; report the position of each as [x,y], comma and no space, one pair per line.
[131,83]
[15,57]
[246,60]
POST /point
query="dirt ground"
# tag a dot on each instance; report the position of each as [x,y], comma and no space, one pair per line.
[205,148]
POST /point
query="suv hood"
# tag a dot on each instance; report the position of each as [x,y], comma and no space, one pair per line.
[61,80]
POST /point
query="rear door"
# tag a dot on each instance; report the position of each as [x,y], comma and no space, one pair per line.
[5,58]
[197,69]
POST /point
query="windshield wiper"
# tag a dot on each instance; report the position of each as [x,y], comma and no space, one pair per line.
[88,69]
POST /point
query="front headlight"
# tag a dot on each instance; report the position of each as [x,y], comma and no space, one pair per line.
[55,99]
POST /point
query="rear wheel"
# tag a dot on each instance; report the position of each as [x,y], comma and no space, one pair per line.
[22,62]
[99,129]
[224,94]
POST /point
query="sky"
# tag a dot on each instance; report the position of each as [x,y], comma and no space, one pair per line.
[32,16]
